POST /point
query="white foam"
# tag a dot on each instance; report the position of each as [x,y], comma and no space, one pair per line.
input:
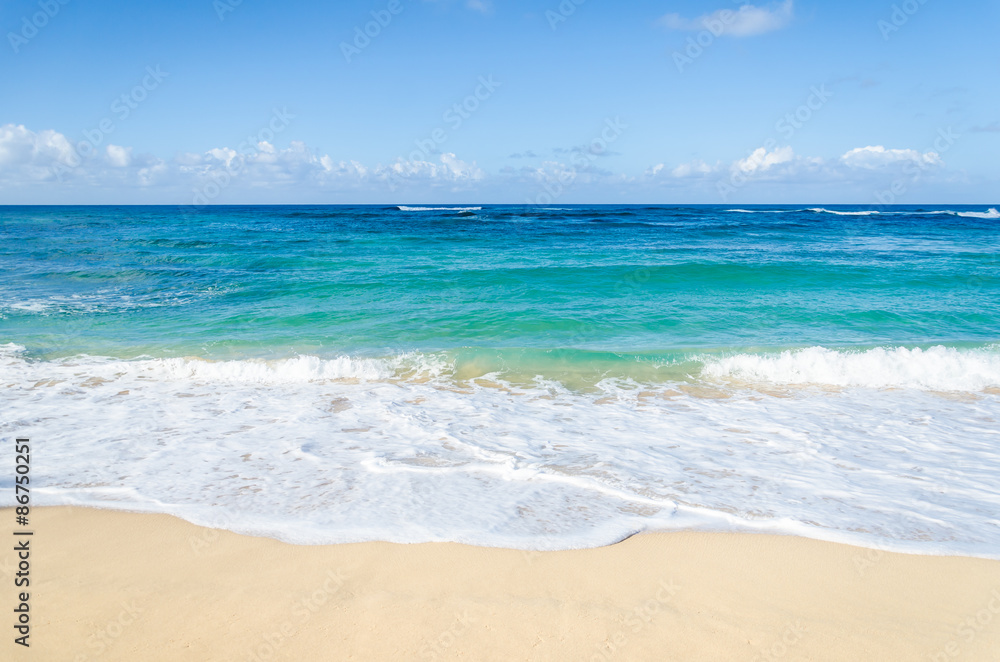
[109,300]
[404,208]
[302,369]
[937,368]
[821,210]
[351,449]
[991,213]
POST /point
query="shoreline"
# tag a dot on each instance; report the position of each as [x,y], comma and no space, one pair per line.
[114,585]
[689,515]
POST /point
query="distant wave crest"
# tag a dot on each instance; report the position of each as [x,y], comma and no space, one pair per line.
[405,208]
[989,213]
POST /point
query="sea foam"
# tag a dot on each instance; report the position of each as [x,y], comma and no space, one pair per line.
[936,368]
[348,449]
[405,208]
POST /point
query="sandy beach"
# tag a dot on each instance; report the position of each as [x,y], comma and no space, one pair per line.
[120,586]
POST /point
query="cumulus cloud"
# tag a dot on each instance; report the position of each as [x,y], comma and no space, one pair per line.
[874,157]
[33,153]
[747,21]
[49,157]
[689,170]
[50,164]
[762,160]
[451,171]
[28,156]
[119,157]
[776,166]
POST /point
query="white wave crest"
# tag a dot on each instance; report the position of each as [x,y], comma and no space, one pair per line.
[299,370]
[293,450]
[990,213]
[284,371]
[405,208]
[821,210]
[934,369]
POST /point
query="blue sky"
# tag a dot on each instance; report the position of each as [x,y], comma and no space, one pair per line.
[214,102]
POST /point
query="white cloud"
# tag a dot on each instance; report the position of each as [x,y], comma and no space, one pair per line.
[696,168]
[119,157]
[451,169]
[762,160]
[747,21]
[34,153]
[27,157]
[46,165]
[874,157]
[48,156]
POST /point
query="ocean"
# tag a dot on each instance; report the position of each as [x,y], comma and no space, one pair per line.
[524,377]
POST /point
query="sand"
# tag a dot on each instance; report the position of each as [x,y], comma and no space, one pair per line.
[121,586]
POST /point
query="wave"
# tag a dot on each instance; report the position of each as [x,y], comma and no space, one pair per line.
[935,369]
[324,451]
[405,208]
[255,372]
[821,210]
[989,214]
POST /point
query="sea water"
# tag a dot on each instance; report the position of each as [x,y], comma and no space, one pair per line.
[526,377]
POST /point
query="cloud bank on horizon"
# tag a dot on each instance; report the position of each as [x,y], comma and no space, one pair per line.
[469,100]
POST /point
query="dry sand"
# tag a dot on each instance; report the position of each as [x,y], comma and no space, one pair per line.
[120,586]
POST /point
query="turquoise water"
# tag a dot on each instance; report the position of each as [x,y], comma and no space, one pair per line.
[618,282]
[778,322]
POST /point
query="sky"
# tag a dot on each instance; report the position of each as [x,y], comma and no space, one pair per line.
[198,102]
